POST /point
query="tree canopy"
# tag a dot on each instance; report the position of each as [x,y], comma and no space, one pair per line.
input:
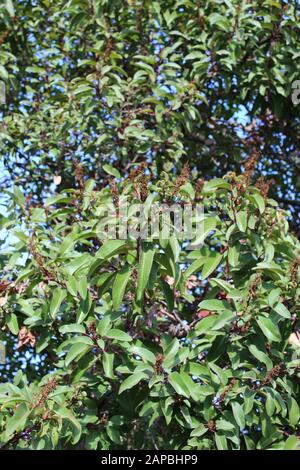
[119,82]
[144,342]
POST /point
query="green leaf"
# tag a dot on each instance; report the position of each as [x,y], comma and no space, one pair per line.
[10,8]
[213,305]
[211,265]
[72,328]
[282,310]
[144,269]
[78,349]
[221,441]
[219,20]
[259,201]
[111,170]
[82,286]
[199,431]
[223,425]
[118,334]
[294,412]
[217,183]
[57,298]
[292,443]
[194,267]
[177,382]
[119,286]
[238,414]
[19,196]
[112,247]
[18,420]
[206,227]
[132,380]
[108,365]
[12,323]
[268,328]
[144,353]
[261,356]
[241,220]
[67,414]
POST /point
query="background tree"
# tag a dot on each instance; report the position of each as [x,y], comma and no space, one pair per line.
[113,83]
[129,344]
[125,344]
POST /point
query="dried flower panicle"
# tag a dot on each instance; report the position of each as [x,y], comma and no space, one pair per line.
[140,181]
[228,389]
[211,426]
[264,185]
[25,337]
[294,270]
[249,166]
[46,390]
[114,192]
[275,372]
[199,186]
[181,179]
[79,173]
[254,286]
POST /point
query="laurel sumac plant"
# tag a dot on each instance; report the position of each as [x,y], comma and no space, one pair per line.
[129,344]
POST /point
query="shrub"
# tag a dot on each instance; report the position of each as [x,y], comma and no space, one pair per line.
[128,344]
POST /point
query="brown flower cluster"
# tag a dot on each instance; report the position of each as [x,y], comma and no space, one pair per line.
[46,390]
[25,337]
[227,390]
[250,166]
[264,185]
[181,179]
[140,181]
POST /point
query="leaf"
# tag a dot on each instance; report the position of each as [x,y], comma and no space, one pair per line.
[292,443]
[144,269]
[217,183]
[12,323]
[206,227]
[111,248]
[241,220]
[261,356]
[111,170]
[10,8]
[199,431]
[221,441]
[118,334]
[17,421]
[219,20]
[119,286]
[259,202]
[194,267]
[77,349]
[211,265]
[145,354]
[82,286]
[238,414]
[268,328]
[213,305]
[72,328]
[178,384]
[282,310]
[294,412]
[132,380]
[19,196]
[65,413]
[108,365]
[223,425]
[57,298]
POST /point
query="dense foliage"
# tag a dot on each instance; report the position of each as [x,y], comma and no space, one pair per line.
[127,344]
[115,82]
